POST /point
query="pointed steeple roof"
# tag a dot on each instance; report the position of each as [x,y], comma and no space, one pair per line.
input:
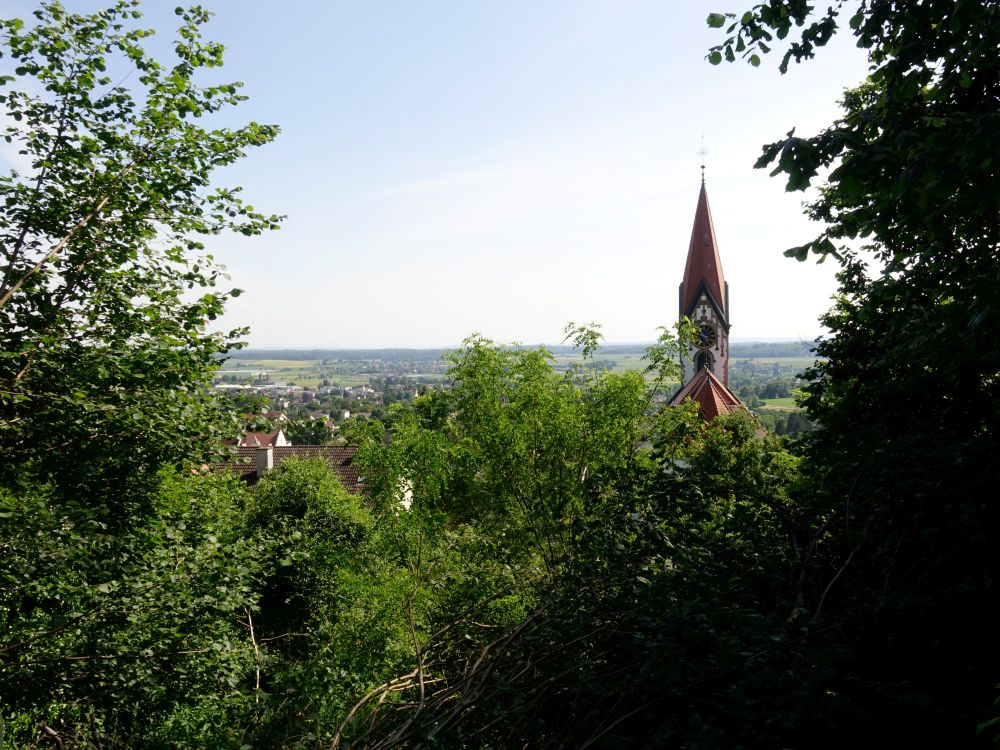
[714,398]
[703,267]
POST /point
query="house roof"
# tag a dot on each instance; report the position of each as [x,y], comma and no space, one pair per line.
[714,398]
[703,264]
[340,457]
[253,439]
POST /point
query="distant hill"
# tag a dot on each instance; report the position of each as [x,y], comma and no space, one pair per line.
[744,350]
[346,355]
[773,349]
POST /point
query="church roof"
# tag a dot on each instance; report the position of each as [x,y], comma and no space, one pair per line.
[714,398]
[703,263]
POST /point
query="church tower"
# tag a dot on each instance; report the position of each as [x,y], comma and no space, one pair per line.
[704,298]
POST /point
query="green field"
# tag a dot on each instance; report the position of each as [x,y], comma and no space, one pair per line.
[308,373]
[281,364]
[778,404]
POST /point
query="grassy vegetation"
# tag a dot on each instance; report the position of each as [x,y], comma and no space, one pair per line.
[295,364]
[799,362]
[310,373]
[778,404]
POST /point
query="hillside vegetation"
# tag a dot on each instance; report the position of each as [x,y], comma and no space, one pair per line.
[543,556]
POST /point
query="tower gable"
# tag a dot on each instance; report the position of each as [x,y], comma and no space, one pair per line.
[703,293]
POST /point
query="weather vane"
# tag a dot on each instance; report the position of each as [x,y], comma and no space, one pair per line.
[702,153]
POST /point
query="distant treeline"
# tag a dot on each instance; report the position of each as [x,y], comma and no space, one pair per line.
[752,349]
[764,349]
[347,355]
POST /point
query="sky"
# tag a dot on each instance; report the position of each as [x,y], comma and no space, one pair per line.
[504,167]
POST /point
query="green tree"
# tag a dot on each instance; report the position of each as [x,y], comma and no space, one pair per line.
[350,597]
[308,432]
[530,490]
[124,594]
[672,605]
[123,640]
[331,615]
[906,402]
[523,441]
[105,353]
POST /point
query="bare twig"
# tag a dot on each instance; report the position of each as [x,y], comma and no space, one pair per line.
[822,599]
[58,247]
[55,250]
[378,690]
[46,729]
[256,655]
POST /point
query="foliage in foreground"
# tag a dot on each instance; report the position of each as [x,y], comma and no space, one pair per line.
[906,396]
[577,567]
[105,289]
[110,636]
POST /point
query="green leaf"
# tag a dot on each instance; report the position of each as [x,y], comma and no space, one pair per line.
[800,253]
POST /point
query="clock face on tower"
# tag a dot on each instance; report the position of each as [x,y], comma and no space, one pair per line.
[704,336]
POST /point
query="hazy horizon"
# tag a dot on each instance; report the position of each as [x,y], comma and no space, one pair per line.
[548,344]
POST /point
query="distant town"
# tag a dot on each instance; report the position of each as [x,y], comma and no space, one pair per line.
[276,387]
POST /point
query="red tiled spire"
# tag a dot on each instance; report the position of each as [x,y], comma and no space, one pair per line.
[703,263]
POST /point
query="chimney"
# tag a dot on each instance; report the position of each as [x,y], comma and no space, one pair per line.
[265,460]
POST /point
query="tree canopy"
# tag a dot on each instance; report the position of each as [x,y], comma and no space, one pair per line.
[119,578]
[540,558]
[106,289]
[906,399]
[308,432]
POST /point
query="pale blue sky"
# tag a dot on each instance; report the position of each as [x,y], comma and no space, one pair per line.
[505,167]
